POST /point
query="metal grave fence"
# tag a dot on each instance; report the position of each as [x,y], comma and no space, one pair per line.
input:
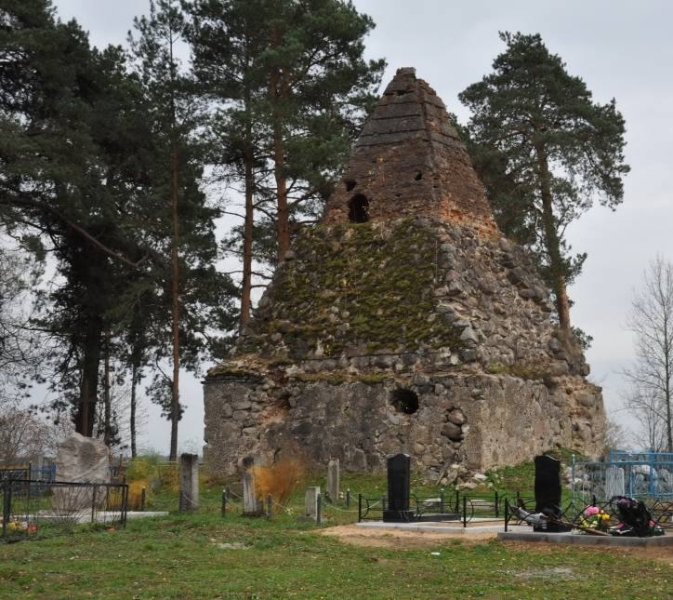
[36,509]
[634,474]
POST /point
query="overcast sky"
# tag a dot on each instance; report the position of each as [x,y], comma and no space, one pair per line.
[622,49]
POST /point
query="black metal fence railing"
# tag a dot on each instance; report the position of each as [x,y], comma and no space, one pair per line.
[595,516]
[14,473]
[29,471]
[34,509]
[444,507]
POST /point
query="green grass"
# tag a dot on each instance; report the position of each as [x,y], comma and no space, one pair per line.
[202,555]
[188,557]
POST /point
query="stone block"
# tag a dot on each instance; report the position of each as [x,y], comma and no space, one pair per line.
[81,459]
[311,503]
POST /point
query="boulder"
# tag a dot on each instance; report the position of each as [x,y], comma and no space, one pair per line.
[83,459]
[80,460]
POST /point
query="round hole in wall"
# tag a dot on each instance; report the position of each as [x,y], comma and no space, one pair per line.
[404,401]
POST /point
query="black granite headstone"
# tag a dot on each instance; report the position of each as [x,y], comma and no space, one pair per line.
[547,482]
[399,484]
[548,491]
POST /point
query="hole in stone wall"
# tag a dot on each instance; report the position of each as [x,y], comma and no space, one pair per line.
[404,401]
[358,209]
[283,402]
[419,175]
[350,184]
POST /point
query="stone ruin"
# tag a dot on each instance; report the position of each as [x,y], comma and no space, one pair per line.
[403,322]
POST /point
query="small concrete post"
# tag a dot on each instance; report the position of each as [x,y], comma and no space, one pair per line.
[189,482]
[251,505]
[311,502]
[333,480]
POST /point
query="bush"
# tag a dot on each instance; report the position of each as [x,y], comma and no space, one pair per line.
[136,493]
[279,480]
[169,476]
[143,468]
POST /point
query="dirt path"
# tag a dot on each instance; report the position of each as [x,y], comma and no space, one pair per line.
[395,538]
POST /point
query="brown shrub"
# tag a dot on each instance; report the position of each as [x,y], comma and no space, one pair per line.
[136,493]
[279,480]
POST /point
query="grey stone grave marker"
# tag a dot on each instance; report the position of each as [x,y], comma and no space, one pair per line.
[614,482]
[189,482]
[251,505]
[311,502]
[333,479]
[84,460]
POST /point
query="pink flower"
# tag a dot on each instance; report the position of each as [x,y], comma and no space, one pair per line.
[590,511]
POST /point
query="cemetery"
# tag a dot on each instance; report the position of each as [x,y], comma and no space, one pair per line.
[396,515]
[594,507]
[405,411]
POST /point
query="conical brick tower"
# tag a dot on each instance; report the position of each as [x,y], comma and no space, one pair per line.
[409,161]
[404,322]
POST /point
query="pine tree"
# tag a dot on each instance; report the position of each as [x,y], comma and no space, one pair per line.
[293,89]
[546,151]
[86,163]
[200,298]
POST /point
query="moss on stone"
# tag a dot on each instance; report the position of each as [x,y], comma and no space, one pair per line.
[373,378]
[364,285]
[328,377]
[524,370]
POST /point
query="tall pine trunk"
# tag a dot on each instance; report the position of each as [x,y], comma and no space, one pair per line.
[283,212]
[107,399]
[134,405]
[249,219]
[248,232]
[279,93]
[556,267]
[175,293]
[86,410]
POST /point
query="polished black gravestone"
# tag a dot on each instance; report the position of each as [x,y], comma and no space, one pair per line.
[399,485]
[399,495]
[548,493]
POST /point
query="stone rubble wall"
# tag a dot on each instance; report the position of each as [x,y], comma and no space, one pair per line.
[487,307]
[495,383]
[464,421]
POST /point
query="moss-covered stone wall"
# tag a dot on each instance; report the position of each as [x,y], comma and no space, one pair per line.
[358,287]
